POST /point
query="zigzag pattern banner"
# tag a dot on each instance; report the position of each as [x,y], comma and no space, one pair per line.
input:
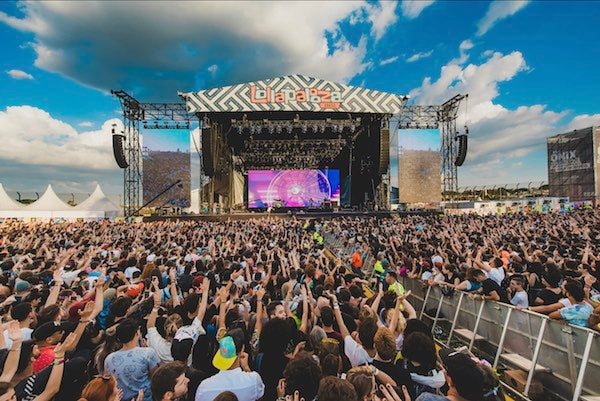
[292,93]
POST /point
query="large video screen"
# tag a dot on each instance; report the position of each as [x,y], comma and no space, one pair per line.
[292,188]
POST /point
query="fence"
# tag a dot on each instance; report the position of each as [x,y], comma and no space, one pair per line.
[565,359]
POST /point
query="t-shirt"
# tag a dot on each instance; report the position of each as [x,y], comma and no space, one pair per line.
[247,386]
[398,373]
[132,369]
[159,344]
[357,260]
[25,331]
[496,274]
[356,354]
[490,286]
[396,288]
[520,299]
[549,297]
[577,314]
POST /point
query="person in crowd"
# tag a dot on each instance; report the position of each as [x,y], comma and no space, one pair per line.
[464,378]
[132,365]
[234,374]
[169,382]
[518,295]
[263,308]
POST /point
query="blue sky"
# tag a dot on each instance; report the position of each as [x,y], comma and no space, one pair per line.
[530,69]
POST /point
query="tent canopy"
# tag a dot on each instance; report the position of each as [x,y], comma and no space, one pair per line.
[98,202]
[49,201]
[8,203]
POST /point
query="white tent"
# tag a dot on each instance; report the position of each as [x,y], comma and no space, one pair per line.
[7,203]
[99,203]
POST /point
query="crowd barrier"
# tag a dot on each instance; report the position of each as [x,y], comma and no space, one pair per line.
[564,358]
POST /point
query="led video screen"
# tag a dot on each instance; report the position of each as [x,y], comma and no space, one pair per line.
[292,188]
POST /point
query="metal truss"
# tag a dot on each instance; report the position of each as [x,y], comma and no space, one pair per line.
[444,118]
[175,116]
[152,116]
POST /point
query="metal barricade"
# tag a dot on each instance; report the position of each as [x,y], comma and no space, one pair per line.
[564,358]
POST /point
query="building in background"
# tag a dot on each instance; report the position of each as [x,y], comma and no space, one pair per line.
[574,164]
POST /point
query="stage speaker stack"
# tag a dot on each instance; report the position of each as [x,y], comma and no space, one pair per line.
[462,150]
[118,150]
[384,150]
[208,160]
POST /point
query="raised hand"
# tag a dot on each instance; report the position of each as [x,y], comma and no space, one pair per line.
[14,332]
[87,311]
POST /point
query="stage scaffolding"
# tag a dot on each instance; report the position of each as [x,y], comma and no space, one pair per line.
[176,116]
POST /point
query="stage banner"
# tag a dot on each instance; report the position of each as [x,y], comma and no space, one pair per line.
[166,159]
[415,165]
[293,93]
[571,165]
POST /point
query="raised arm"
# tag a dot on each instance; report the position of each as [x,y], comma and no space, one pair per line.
[173,288]
[56,375]
[12,361]
[55,290]
[204,301]
[338,315]
[304,324]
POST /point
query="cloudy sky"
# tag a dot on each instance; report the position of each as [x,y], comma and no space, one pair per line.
[530,69]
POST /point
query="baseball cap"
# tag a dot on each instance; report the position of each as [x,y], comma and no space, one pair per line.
[46,330]
[467,377]
[437,259]
[22,286]
[134,291]
[226,355]
[182,344]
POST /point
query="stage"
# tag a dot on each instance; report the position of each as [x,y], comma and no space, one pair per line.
[299,215]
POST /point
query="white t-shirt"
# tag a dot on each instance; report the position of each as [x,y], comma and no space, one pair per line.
[247,386]
[159,344]
[356,354]
[520,299]
[496,274]
[25,331]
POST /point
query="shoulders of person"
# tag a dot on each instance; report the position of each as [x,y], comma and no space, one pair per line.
[431,397]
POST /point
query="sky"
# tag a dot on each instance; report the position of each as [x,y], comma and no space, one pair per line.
[530,69]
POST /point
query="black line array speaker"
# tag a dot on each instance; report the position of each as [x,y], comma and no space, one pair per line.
[118,150]
[384,150]
[208,160]
[462,150]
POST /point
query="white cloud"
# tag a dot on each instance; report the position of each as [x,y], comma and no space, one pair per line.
[86,124]
[98,44]
[18,74]
[412,8]
[487,53]
[388,60]
[464,46]
[501,140]
[382,16]
[213,68]
[498,10]
[584,121]
[419,56]
[36,138]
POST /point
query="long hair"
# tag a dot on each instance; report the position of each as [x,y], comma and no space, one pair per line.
[100,388]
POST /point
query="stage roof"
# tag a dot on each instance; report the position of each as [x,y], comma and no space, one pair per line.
[292,93]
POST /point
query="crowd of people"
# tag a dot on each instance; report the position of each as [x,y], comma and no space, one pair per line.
[260,310]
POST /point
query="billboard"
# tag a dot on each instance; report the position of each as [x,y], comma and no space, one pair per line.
[416,166]
[292,188]
[571,165]
[166,159]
